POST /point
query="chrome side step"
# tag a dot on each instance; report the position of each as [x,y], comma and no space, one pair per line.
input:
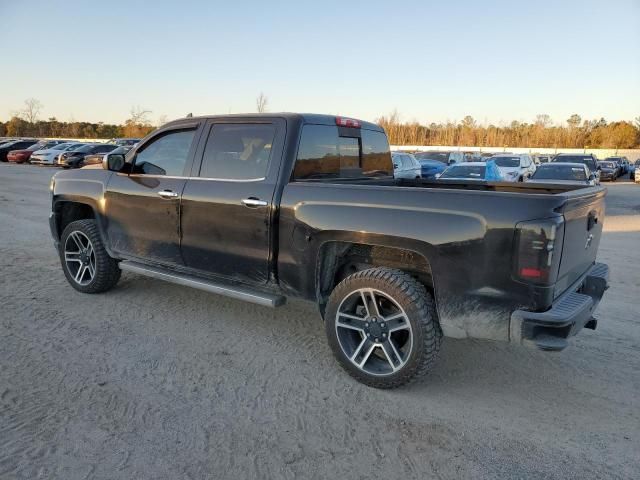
[228,290]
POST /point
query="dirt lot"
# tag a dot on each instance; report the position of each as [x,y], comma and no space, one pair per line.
[157,381]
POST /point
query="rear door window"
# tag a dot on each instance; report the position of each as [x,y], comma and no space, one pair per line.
[238,151]
[325,153]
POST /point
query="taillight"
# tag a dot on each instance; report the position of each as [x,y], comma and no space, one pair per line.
[347,122]
[538,245]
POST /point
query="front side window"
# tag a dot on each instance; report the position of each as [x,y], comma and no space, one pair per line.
[165,155]
[238,151]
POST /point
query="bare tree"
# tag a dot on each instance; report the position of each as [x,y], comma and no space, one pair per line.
[32,108]
[261,103]
[139,116]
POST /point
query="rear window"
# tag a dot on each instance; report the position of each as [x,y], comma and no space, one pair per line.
[507,162]
[437,156]
[560,172]
[584,159]
[326,153]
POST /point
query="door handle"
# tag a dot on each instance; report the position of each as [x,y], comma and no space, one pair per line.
[167,194]
[254,202]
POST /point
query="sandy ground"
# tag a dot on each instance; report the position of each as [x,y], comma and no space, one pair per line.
[157,381]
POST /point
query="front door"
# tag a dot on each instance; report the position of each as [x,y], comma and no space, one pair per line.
[227,204]
[143,207]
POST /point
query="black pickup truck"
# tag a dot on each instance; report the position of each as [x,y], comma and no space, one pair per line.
[261,207]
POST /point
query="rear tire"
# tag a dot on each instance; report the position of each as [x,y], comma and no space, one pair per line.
[390,340]
[85,262]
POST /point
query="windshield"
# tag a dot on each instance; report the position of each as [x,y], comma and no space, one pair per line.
[37,146]
[508,162]
[438,156]
[607,164]
[81,148]
[560,172]
[475,172]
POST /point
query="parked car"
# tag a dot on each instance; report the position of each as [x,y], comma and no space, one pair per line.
[48,156]
[515,167]
[632,169]
[432,163]
[74,158]
[122,142]
[588,159]
[24,155]
[561,173]
[636,172]
[405,165]
[608,170]
[14,145]
[621,167]
[464,171]
[95,160]
[261,207]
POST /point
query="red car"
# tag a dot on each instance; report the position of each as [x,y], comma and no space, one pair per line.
[21,156]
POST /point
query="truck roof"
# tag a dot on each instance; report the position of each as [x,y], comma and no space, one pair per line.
[312,118]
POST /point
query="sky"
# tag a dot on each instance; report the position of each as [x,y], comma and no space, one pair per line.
[432,61]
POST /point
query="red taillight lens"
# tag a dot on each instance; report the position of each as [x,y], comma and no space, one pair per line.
[537,250]
[347,122]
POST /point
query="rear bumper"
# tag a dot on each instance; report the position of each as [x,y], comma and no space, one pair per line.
[571,312]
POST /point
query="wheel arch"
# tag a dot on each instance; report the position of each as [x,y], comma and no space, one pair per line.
[337,259]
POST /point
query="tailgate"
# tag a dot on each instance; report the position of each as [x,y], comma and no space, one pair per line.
[583,218]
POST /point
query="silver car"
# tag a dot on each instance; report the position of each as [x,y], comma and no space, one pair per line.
[405,165]
[49,155]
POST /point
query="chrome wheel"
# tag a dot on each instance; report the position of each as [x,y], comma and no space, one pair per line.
[80,258]
[374,332]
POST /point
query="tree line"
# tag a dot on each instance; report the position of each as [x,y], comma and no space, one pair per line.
[576,133]
[542,133]
[25,123]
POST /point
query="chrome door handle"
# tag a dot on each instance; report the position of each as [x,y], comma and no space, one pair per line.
[254,202]
[167,194]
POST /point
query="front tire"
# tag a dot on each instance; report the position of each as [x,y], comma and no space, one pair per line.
[382,326]
[85,262]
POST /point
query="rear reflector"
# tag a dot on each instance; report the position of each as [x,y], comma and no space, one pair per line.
[531,273]
[347,122]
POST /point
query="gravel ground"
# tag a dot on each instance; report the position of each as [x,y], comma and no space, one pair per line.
[153,380]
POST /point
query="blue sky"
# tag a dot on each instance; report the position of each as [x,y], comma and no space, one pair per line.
[431,60]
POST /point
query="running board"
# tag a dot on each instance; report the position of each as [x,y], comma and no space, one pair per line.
[228,290]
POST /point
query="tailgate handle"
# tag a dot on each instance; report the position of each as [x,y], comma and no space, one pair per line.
[592,221]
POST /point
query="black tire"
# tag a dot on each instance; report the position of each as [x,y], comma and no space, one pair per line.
[106,269]
[418,308]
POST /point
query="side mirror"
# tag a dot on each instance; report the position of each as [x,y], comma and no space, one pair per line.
[113,162]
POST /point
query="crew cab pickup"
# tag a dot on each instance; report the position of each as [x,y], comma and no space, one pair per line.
[268,206]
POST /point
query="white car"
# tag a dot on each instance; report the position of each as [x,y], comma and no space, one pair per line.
[48,156]
[515,167]
[405,165]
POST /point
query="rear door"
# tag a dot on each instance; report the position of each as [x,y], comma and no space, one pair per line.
[143,207]
[227,204]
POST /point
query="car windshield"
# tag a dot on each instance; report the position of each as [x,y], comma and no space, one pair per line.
[437,156]
[37,146]
[475,172]
[559,172]
[607,164]
[508,162]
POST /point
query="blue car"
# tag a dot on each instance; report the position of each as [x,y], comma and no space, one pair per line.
[430,168]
